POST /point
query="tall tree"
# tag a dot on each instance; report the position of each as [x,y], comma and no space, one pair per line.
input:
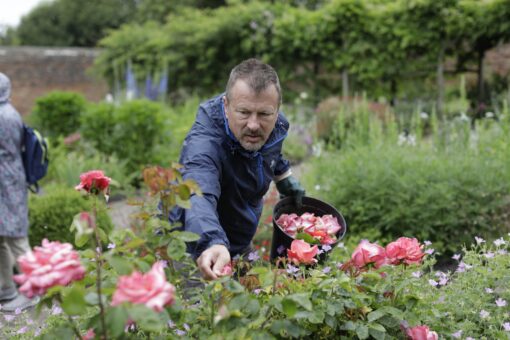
[73,23]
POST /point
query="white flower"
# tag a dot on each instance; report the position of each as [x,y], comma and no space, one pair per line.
[317,187]
[463,117]
[479,240]
[456,257]
[484,314]
[500,302]
[303,95]
[489,114]
[499,242]
[424,115]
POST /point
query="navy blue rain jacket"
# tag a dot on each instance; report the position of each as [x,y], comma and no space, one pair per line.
[232,179]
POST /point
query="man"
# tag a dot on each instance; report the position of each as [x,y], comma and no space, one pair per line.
[233,152]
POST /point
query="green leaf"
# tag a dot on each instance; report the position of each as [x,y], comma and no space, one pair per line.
[184,192]
[102,235]
[186,204]
[121,265]
[302,299]
[234,286]
[146,318]
[73,300]
[185,236]
[289,307]
[176,249]
[307,238]
[362,331]
[81,239]
[375,315]
[116,319]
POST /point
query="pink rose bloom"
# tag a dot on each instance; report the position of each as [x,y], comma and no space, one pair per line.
[89,335]
[94,180]
[301,252]
[366,253]
[227,270]
[52,264]
[404,250]
[150,289]
[421,333]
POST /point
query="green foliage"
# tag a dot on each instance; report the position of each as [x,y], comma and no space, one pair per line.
[130,131]
[51,214]
[72,23]
[68,162]
[433,186]
[58,113]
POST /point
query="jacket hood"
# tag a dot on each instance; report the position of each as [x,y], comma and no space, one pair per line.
[5,88]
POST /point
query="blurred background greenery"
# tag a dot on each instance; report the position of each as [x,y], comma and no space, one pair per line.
[397,117]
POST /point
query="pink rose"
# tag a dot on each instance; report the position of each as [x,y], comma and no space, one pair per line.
[52,264]
[420,333]
[89,335]
[150,289]
[366,253]
[404,250]
[301,252]
[93,182]
[227,270]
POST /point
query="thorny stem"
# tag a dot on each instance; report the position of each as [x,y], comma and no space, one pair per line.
[98,269]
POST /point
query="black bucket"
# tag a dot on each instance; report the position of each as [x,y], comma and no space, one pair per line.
[311,205]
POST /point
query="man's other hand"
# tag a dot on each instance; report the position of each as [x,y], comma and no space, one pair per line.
[212,260]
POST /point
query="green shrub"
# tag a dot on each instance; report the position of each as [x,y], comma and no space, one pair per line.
[51,214]
[445,197]
[130,131]
[67,163]
[58,113]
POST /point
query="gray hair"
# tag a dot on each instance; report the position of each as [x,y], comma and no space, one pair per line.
[257,75]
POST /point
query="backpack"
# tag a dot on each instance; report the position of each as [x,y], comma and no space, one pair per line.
[35,157]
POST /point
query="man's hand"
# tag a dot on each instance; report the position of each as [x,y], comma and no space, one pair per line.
[290,186]
[212,261]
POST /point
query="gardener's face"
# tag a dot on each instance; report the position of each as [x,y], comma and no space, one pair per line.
[251,116]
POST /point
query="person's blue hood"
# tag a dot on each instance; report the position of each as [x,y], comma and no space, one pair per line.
[5,88]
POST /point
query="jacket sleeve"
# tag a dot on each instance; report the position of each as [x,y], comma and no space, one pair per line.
[282,168]
[202,164]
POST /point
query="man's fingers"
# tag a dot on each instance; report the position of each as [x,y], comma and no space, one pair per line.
[205,262]
[221,262]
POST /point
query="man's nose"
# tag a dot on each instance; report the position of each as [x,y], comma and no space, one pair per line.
[253,122]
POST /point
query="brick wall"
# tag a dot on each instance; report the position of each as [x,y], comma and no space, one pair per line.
[35,71]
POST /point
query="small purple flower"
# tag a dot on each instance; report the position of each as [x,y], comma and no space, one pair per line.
[164,263]
[56,310]
[499,242]
[458,334]
[17,311]
[111,245]
[443,281]
[429,251]
[37,332]
[427,243]
[280,249]
[433,283]
[292,269]
[484,314]
[506,326]
[257,291]
[180,332]
[186,327]
[489,255]
[500,302]
[30,322]
[326,247]
[253,256]
[326,270]
[170,324]
[463,267]
[489,290]
[417,274]
[9,318]
[456,257]
[22,330]
[479,240]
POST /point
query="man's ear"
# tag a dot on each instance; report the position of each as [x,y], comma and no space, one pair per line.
[225,101]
